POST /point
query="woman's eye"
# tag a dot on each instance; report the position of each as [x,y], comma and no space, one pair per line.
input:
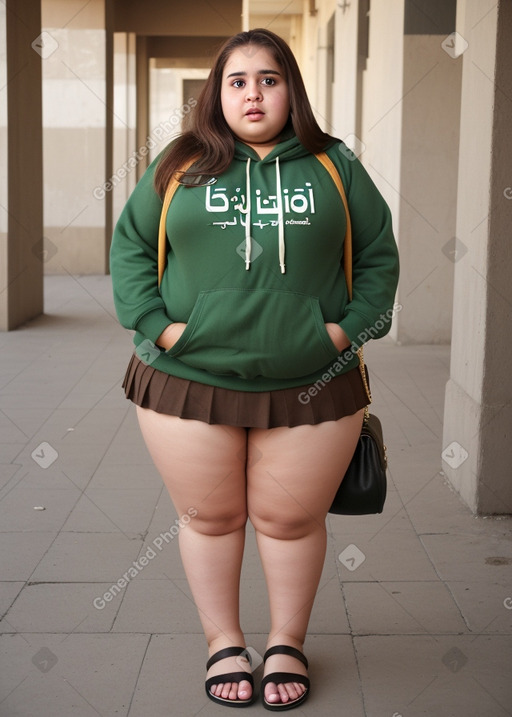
[268,81]
[238,83]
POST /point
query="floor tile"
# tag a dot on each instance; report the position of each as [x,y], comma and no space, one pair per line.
[62,608]
[21,552]
[79,675]
[88,557]
[402,608]
[456,675]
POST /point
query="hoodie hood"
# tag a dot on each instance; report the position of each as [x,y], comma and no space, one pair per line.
[287,148]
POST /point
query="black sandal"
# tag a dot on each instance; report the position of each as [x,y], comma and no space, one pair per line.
[230,676]
[282,677]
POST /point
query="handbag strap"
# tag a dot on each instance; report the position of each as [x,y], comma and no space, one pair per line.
[347,249]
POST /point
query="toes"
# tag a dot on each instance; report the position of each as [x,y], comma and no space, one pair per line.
[232,690]
[283,692]
[244,690]
[271,693]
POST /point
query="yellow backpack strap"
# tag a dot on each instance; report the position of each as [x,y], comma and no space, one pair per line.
[347,249]
[347,257]
[162,236]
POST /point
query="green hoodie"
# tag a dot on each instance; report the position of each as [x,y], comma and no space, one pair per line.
[254,291]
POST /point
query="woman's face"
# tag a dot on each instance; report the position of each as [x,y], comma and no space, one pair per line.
[254,96]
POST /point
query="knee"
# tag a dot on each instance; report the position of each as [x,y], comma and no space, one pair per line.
[284,525]
[213,523]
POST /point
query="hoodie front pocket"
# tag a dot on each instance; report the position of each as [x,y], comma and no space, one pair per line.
[250,333]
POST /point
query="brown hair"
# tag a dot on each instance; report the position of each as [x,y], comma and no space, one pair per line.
[208,134]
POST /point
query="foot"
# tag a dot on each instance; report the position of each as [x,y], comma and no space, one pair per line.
[230,691]
[281,691]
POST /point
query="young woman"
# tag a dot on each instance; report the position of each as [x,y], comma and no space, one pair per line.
[251,312]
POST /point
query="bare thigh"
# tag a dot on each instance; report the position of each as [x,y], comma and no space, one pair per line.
[293,473]
[202,466]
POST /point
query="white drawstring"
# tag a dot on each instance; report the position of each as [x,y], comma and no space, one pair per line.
[280,218]
[248,241]
[247,212]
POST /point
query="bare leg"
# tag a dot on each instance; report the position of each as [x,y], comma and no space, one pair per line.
[290,490]
[203,467]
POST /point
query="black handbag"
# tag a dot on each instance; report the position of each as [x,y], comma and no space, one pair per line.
[363,487]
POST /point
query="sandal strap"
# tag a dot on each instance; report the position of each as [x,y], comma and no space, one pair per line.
[230,677]
[229,652]
[283,677]
[286,650]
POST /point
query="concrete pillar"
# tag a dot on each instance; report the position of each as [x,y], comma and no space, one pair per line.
[477,445]
[142,85]
[22,252]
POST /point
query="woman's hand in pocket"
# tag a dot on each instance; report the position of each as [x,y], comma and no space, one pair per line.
[170,335]
[338,336]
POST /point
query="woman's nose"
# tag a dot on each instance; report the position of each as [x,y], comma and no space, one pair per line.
[253,92]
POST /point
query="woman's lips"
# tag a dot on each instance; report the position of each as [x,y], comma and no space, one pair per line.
[254,114]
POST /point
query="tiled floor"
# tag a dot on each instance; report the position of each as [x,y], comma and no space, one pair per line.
[419,625]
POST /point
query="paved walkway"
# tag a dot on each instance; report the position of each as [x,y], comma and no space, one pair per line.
[413,614]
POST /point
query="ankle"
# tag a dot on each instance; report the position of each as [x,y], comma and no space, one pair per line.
[222,641]
[285,639]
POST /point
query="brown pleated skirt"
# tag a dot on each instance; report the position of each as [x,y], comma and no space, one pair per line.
[149,388]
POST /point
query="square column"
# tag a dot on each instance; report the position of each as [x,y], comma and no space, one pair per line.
[21,174]
[477,455]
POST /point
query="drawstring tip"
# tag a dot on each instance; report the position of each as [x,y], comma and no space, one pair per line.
[283,269]
[247,264]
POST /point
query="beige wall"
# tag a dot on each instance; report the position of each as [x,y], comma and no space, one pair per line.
[74,122]
[428,189]
[381,120]
[345,73]
[124,126]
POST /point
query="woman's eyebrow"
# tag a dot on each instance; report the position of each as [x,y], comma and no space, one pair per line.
[260,72]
